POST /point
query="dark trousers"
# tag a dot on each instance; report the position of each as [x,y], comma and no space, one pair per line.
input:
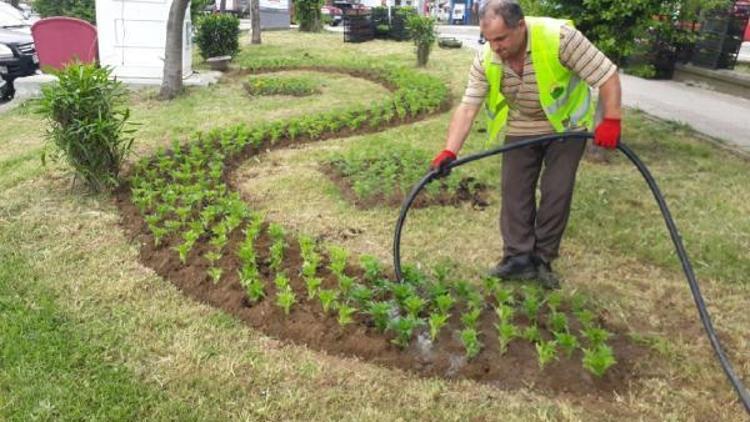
[525,227]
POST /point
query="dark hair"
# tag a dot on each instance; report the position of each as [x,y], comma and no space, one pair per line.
[509,10]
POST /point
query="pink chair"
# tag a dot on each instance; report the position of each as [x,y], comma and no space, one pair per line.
[61,40]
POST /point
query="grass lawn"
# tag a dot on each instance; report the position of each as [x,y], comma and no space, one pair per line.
[88,332]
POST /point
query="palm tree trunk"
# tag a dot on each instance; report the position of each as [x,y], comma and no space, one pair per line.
[255,20]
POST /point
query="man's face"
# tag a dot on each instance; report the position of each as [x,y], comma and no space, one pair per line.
[506,42]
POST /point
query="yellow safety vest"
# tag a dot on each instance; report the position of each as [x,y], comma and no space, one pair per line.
[565,98]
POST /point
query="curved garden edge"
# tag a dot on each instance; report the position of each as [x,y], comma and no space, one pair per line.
[307,324]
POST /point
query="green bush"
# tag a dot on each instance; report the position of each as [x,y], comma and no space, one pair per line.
[422,31]
[82,9]
[307,13]
[197,7]
[88,117]
[281,85]
[218,35]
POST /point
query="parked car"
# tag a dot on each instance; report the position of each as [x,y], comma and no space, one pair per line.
[17,53]
[333,12]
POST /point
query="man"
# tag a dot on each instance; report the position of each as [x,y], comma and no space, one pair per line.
[533,76]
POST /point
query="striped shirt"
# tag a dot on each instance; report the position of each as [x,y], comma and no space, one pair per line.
[526,116]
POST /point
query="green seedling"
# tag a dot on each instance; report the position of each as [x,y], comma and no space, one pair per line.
[215,274]
[504,296]
[380,313]
[414,305]
[444,303]
[413,275]
[568,342]
[470,340]
[183,250]
[585,317]
[345,283]
[246,253]
[596,336]
[558,322]
[371,267]
[506,332]
[281,281]
[404,328]
[361,294]
[345,314]
[212,257]
[338,257]
[328,299]
[554,300]
[437,322]
[277,255]
[402,291]
[598,359]
[546,352]
[310,267]
[470,318]
[491,284]
[313,286]
[531,307]
[285,299]
[504,313]
[532,334]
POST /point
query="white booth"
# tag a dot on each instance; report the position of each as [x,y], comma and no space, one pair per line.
[132,36]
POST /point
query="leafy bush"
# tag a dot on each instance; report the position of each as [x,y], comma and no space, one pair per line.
[308,15]
[82,9]
[88,123]
[218,35]
[422,31]
[281,85]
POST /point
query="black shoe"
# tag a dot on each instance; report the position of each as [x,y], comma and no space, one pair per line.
[519,267]
[545,275]
[482,41]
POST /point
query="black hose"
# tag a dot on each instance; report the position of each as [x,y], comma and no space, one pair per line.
[687,268]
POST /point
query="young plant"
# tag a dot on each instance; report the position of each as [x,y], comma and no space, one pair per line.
[281,281]
[554,300]
[531,306]
[506,332]
[361,294]
[215,274]
[345,314]
[313,286]
[345,283]
[532,334]
[558,322]
[380,313]
[402,291]
[328,299]
[212,257]
[276,232]
[285,299]
[444,303]
[470,340]
[371,266]
[598,359]
[471,317]
[437,322]
[491,284]
[546,352]
[414,305]
[404,328]
[504,296]
[585,317]
[596,336]
[505,313]
[338,257]
[568,342]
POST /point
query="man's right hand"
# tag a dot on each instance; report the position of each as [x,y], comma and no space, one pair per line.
[441,161]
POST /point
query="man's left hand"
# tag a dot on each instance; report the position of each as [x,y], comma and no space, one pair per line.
[607,134]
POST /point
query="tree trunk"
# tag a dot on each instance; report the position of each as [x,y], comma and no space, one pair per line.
[171,85]
[223,6]
[255,21]
[14,3]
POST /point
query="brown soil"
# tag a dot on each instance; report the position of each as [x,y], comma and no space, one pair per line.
[308,325]
[468,191]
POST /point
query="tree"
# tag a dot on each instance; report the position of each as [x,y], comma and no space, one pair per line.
[171,84]
[255,21]
[308,15]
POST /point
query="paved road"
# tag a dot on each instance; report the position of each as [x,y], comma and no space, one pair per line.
[717,115]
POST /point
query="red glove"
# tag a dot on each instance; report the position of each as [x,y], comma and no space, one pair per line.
[442,160]
[607,134]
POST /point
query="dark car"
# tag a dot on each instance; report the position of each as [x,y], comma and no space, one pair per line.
[17,54]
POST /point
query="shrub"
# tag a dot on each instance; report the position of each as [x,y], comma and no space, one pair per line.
[308,15]
[82,9]
[88,123]
[422,31]
[218,35]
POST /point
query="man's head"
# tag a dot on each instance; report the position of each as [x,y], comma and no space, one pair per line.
[502,23]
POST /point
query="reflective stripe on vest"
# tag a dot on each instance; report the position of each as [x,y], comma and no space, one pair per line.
[564,97]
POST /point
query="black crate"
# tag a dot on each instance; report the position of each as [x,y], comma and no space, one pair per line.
[358,28]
